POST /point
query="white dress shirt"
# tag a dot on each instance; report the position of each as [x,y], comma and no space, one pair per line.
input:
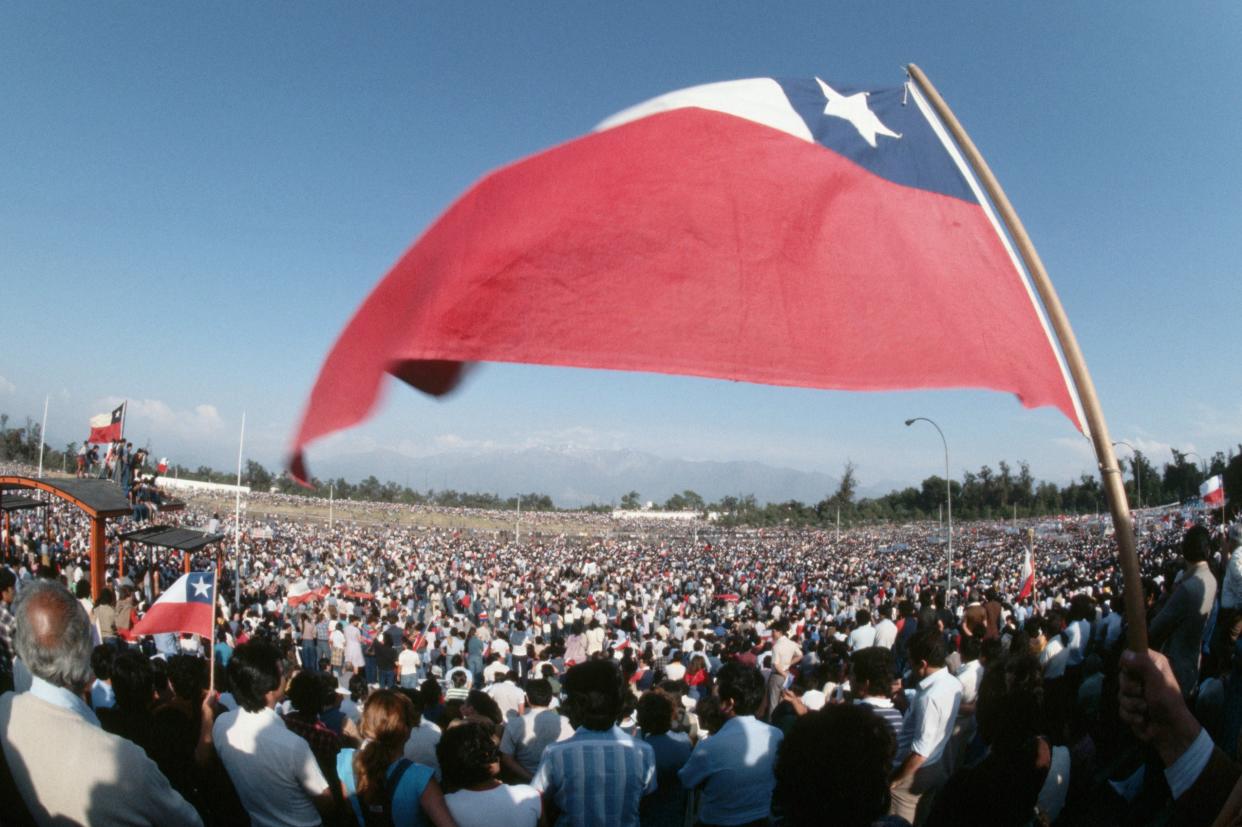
[929,722]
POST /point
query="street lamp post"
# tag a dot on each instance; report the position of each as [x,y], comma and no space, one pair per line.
[1138,471]
[948,491]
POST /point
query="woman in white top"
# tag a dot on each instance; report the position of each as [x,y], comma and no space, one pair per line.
[469,758]
[353,645]
[336,639]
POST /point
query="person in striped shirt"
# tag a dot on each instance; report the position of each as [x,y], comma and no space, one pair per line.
[871,680]
[597,777]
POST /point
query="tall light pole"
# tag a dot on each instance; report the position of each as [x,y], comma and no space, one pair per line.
[948,491]
[1138,471]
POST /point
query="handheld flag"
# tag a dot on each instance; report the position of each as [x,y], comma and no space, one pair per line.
[108,427]
[299,592]
[1212,492]
[188,606]
[1028,576]
[787,232]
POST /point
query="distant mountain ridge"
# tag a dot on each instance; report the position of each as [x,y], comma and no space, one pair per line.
[576,477]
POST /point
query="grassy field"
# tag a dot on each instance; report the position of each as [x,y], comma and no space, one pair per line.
[366,514]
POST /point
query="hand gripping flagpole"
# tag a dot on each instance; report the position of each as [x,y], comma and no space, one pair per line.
[1114,489]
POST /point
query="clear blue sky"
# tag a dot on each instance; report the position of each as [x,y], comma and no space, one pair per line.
[195,197]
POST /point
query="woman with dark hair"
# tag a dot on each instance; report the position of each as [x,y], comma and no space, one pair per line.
[134,682]
[666,807]
[576,645]
[378,782]
[470,762]
[816,777]
[433,704]
[479,704]
[307,694]
[1012,720]
[698,679]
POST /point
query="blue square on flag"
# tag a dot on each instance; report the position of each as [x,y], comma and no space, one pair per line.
[199,588]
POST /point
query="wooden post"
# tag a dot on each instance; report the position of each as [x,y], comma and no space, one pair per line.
[97,557]
[120,559]
[185,559]
[1114,489]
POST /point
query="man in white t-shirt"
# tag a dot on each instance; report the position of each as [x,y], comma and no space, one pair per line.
[273,770]
[495,670]
[785,656]
[407,666]
[885,628]
[863,635]
[526,737]
[508,696]
[595,638]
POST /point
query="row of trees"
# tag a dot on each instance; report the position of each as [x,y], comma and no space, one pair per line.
[983,494]
[22,445]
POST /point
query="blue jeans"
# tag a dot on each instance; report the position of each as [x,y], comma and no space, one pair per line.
[323,651]
[309,660]
[387,678]
[370,668]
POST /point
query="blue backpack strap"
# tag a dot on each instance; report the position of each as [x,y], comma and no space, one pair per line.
[394,781]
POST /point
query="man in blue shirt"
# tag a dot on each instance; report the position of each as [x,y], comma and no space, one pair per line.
[735,766]
[597,777]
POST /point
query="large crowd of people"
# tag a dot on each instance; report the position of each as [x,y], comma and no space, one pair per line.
[376,673]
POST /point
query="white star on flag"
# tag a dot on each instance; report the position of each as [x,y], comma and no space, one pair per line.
[854,109]
[201,589]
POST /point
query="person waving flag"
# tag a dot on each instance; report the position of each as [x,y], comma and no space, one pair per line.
[187,607]
[1028,577]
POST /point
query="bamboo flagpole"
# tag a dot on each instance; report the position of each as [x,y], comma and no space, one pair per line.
[1114,490]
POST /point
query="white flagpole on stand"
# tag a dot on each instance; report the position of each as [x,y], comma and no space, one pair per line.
[241,442]
[43,435]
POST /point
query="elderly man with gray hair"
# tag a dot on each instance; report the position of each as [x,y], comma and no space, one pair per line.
[66,769]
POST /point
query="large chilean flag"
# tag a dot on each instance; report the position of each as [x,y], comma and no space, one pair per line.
[789,232]
[188,606]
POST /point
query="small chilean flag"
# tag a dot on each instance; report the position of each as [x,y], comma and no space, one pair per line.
[1028,577]
[1212,491]
[107,427]
[188,606]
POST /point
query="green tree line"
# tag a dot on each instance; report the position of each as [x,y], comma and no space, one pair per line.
[984,494]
